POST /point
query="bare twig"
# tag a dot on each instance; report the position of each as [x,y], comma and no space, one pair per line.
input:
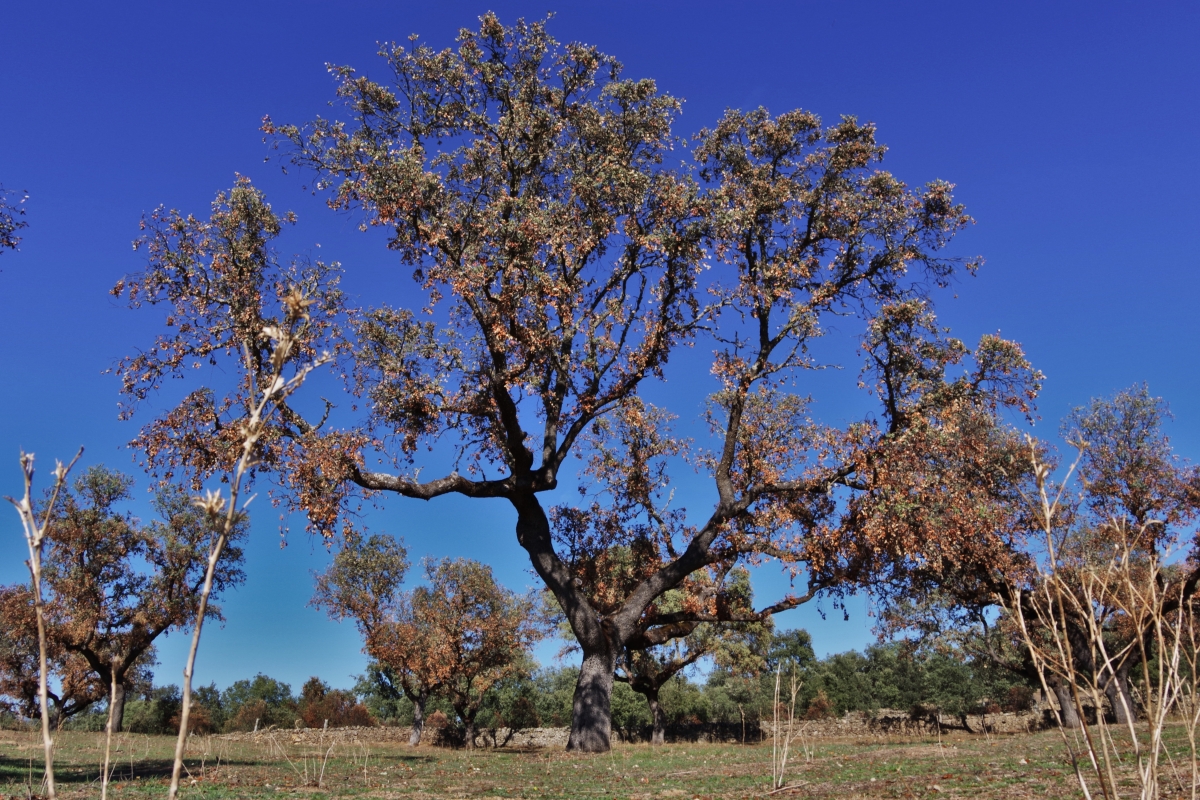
[35,537]
[1066,622]
[780,751]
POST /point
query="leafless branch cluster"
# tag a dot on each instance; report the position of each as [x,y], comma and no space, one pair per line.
[1090,612]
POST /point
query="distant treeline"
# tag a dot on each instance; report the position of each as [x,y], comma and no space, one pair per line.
[894,676]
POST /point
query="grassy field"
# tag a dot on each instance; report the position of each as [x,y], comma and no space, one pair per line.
[1013,766]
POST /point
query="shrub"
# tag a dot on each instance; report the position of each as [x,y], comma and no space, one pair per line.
[1019,698]
[320,705]
[249,716]
[198,721]
[820,707]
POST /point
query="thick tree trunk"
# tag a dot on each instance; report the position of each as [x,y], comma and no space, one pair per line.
[418,726]
[1066,704]
[118,715]
[656,717]
[591,717]
[1120,699]
[470,733]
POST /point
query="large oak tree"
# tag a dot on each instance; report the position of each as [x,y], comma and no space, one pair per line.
[564,260]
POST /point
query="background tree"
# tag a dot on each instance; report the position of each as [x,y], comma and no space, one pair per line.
[490,631]
[379,690]
[1130,481]
[363,584]
[115,585]
[74,688]
[739,648]
[527,185]
[260,701]
[456,637]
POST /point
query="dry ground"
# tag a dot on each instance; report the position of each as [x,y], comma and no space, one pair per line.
[1009,766]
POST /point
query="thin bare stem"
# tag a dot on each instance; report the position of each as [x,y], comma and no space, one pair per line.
[1091,614]
[226,515]
[108,732]
[35,536]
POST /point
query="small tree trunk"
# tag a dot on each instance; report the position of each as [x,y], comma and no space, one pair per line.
[656,716]
[591,711]
[118,708]
[418,726]
[1066,704]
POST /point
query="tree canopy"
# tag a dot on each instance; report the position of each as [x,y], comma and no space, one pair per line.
[563,258]
[113,585]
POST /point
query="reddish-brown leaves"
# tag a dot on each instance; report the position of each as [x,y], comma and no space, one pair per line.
[455,637]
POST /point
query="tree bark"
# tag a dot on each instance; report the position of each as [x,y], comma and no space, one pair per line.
[469,726]
[1066,704]
[591,714]
[418,726]
[656,717]
[591,711]
[118,701]
[1120,698]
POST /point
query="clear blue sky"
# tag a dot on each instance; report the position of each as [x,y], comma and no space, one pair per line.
[1071,130]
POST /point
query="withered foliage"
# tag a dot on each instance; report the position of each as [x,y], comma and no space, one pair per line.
[564,257]
[223,290]
[75,687]
[12,213]
[455,637]
[1134,499]
[113,586]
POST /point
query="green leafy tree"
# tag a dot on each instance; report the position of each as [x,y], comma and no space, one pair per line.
[260,701]
[512,702]
[555,689]
[380,692]
[737,647]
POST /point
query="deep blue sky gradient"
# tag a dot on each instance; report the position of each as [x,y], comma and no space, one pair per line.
[1069,128]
